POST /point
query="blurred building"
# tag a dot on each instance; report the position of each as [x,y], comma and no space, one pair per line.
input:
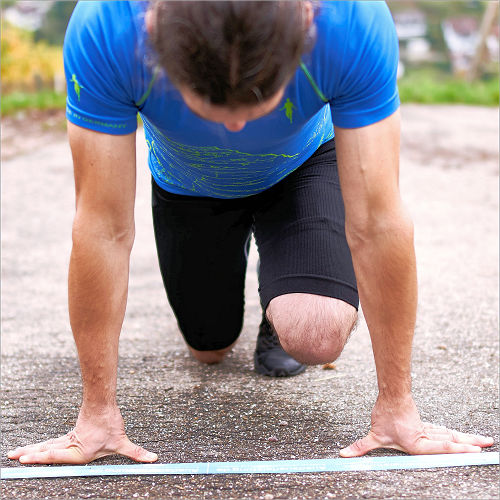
[461,36]
[464,34]
[411,27]
[410,24]
[27,14]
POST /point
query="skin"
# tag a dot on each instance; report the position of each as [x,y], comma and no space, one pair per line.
[312,328]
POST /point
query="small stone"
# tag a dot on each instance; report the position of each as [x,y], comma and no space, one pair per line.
[272,439]
[268,496]
[283,423]
[442,347]
[330,495]
[131,372]
[329,366]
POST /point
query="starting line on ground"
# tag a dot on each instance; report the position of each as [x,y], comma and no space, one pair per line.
[257,467]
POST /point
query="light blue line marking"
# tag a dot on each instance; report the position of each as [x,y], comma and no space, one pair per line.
[258,467]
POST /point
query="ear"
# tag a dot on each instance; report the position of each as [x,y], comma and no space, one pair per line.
[309,14]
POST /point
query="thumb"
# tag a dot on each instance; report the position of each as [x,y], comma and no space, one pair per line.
[136,452]
[360,447]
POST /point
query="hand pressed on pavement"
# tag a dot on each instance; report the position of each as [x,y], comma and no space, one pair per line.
[398,426]
[91,438]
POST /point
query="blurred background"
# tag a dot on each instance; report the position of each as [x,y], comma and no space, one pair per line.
[449,52]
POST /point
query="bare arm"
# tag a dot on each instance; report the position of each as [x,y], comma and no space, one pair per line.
[380,235]
[103,234]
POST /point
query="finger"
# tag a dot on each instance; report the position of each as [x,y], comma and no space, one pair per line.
[460,437]
[70,455]
[33,448]
[136,452]
[426,446]
[443,434]
[361,447]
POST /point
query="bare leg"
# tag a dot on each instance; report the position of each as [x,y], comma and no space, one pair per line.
[211,357]
[312,328]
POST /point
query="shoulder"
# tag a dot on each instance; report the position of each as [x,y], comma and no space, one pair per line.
[109,17]
[345,28]
[104,63]
[355,58]
[353,36]
[334,18]
[104,28]
[106,40]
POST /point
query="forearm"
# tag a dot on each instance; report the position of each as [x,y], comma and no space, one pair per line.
[384,261]
[98,283]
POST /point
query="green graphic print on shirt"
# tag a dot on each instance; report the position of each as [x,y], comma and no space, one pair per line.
[222,172]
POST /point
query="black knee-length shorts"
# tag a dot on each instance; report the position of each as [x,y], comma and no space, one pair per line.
[203,245]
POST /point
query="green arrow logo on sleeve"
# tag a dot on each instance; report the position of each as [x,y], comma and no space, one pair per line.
[76,86]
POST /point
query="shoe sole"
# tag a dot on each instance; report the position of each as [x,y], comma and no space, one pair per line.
[276,372]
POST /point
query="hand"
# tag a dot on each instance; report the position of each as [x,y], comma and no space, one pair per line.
[398,426]
[94,436]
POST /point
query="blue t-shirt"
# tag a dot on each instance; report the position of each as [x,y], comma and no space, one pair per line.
[348,79]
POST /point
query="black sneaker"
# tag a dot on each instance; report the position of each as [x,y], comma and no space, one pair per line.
[269,358]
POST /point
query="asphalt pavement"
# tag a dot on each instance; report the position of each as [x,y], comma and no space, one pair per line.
[191,413]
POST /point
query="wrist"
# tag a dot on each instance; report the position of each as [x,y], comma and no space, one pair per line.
[395,402]
[93,408]
[399,391]
[99,391]
[394,386]
[102,416]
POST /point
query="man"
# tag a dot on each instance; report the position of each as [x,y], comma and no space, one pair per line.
[240,102]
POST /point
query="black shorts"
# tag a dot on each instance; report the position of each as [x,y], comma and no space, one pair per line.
[203,245]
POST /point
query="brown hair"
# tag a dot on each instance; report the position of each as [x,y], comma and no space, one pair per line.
[231,52]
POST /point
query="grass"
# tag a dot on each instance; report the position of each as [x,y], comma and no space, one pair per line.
[43,100]
[431,87]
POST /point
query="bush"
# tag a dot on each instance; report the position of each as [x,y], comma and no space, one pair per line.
[28,65]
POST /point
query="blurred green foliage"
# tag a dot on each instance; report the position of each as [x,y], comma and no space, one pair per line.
[42,100]
[55,22]
[5,4]
[27,65]
[429,86]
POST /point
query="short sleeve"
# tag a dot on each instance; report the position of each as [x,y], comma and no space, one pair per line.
[366,86]
[98,53]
